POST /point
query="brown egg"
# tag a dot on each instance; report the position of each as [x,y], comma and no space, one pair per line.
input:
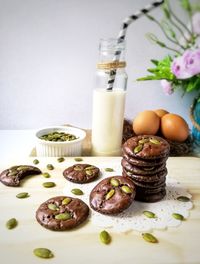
[161,112]
[146,122]
[174,127]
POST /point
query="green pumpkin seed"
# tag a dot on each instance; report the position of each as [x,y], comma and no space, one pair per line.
[11,223]
[13,173]
[149,238]
[78,168]
[178,216]
[78,159]
[138,148]
[183,199]
[66,201]
[126,189]
[89,172]
[43,253]
[49,184]
[109,169]
[105,238]
[46,175]
[22,195]
[90,168]
[143,140]
[21,168]
[52,207]
[149,214]
[35,161]
[63,216]
[154,141]
[110,194]
[114,182]
[77,191]
[61,159]
[50,167]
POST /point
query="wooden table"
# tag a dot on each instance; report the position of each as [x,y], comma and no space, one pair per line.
[176,245]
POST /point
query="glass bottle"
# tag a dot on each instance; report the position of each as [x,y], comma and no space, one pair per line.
[109,102]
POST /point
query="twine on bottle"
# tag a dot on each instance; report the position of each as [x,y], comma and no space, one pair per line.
[111,65]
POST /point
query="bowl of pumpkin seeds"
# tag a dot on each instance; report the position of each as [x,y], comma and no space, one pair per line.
[60,141]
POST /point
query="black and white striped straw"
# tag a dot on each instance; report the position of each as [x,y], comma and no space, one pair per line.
[122,34]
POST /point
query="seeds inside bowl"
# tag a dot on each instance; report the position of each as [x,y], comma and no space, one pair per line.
[58,137]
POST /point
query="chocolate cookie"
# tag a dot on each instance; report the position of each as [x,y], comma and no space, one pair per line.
[81,173]
[13,175]
[150,198]
[146,147]
[142,170]
[62,213]
[112,195]
[144,163]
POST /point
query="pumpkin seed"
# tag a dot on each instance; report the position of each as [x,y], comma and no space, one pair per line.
[78,168]
[46,175]
[89,172]
[105,238]
[183,199]
[11,223]
[154,141]
[13,173]
[61,159]
[138,148]
[63,216]
[50,167]
[78,159]
[126,189]
[52,207]
[110,194]
[149,238]
[48,184]
[21,168]
[43,253]
[22,195]
[58,136]
[149,214]
[114,182]
[109,169]
[178,216]
[35,161]
[90,168]
[143,140]
[77,191]
[66,201]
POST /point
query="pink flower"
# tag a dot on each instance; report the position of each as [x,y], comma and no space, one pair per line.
[187,65]
[167,87]
[196,23]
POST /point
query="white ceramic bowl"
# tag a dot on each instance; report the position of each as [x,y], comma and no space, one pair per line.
[60,149]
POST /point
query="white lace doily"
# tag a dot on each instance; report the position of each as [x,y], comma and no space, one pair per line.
[133,218]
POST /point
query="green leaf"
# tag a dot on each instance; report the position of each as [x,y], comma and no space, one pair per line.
[186,5]
[155,62]
[194,83]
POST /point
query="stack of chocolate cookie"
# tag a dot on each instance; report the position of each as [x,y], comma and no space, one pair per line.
[144,161]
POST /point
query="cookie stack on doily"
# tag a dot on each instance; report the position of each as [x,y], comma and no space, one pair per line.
[144,161]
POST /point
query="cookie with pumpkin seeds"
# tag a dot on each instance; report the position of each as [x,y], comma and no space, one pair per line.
[62,213]
[146,147]
[81,173]
[112,195]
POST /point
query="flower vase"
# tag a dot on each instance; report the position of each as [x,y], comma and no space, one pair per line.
[195,118]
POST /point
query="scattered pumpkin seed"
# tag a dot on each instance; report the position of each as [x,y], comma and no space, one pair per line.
[178,216]
[46,175]
[22,195]
[114,182]
[49,184]
[63,216]
[183,199]
[149,238]
[53,207]
[105,237]
[154,141]
[110,194]
[126,189]
[61,159]
[109,169]
[149,214]
[78,159]
[43,253]
[50,167]
[77,191]
[138,148]
[11,223]
[35,161]
[66,201]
